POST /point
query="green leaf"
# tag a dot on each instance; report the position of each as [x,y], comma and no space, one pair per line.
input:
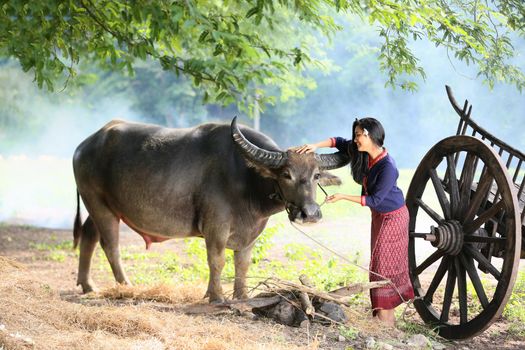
[252,11]
[203,36]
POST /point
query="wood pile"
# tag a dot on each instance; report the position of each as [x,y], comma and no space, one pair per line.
[296,304]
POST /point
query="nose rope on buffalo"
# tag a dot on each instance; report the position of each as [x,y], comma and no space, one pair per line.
[288,204]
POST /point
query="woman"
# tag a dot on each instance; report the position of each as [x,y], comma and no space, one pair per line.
[376,171]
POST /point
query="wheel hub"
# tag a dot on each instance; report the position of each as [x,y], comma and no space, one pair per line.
[448,237]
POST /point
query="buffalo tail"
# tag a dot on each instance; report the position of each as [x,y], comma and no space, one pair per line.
[77,228]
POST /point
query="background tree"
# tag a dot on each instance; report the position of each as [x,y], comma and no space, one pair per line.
[338,78]
[229,48]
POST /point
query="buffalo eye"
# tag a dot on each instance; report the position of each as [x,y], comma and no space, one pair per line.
[286,175]
[317,176]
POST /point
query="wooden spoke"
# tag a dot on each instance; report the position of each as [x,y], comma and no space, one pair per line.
[440,192]
[449,291]
[472,226]
[435,216]
[484,185]
[480,258]
[438,277]
[468,263]
[462,290]
[429,261]
[453,185]
[465,182]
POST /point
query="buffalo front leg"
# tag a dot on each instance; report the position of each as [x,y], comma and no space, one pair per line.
[215,246]
[88,242]
[242,260]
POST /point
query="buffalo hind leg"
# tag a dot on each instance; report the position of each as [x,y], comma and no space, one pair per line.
[109,240]
[107,225]
[88,242]
[242,260]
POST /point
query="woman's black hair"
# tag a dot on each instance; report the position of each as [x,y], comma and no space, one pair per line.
[359,160]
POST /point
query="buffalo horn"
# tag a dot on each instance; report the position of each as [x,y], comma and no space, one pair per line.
[333,160]
[255,154]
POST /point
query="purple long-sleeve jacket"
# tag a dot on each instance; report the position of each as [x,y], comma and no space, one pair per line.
[379,191]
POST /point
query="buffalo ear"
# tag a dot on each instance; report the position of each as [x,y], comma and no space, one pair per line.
[328,179]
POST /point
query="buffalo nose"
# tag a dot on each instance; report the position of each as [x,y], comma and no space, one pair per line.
[311,212]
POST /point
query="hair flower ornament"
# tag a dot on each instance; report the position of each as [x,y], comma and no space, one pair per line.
[365,132]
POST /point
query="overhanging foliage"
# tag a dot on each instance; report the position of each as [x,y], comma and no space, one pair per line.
[235,50]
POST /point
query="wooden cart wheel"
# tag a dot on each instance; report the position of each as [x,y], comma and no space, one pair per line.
[464,223]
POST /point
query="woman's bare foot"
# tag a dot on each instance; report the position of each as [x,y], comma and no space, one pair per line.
[387,317]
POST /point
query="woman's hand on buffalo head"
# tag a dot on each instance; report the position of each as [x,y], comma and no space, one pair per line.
[307,148]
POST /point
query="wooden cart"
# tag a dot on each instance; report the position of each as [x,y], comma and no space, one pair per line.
[466,205]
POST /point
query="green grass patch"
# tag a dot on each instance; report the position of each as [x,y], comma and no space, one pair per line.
[58,256]
[349,332]
[55,251]
[413,327]
[515,308]
[51,247]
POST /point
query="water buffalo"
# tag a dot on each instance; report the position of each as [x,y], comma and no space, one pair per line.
[213,181]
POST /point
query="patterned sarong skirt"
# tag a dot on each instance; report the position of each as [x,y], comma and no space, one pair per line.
[389,258]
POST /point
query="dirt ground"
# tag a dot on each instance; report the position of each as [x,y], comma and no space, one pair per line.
[41,308]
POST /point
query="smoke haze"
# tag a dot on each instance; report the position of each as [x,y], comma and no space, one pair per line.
[36,180]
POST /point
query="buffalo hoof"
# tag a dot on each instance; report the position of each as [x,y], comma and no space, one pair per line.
[217,300]
[240,296]
[214,298]
[88,287]
[126,282]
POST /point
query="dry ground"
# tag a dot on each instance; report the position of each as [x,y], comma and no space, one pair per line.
[41,308]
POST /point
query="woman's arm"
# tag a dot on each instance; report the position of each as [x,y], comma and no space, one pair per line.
[338,196]
[311,147]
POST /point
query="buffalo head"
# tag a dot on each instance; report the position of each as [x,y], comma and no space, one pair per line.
[296,175]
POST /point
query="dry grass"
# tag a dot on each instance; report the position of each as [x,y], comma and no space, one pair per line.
[7,264]
[33,316]
[163,293]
